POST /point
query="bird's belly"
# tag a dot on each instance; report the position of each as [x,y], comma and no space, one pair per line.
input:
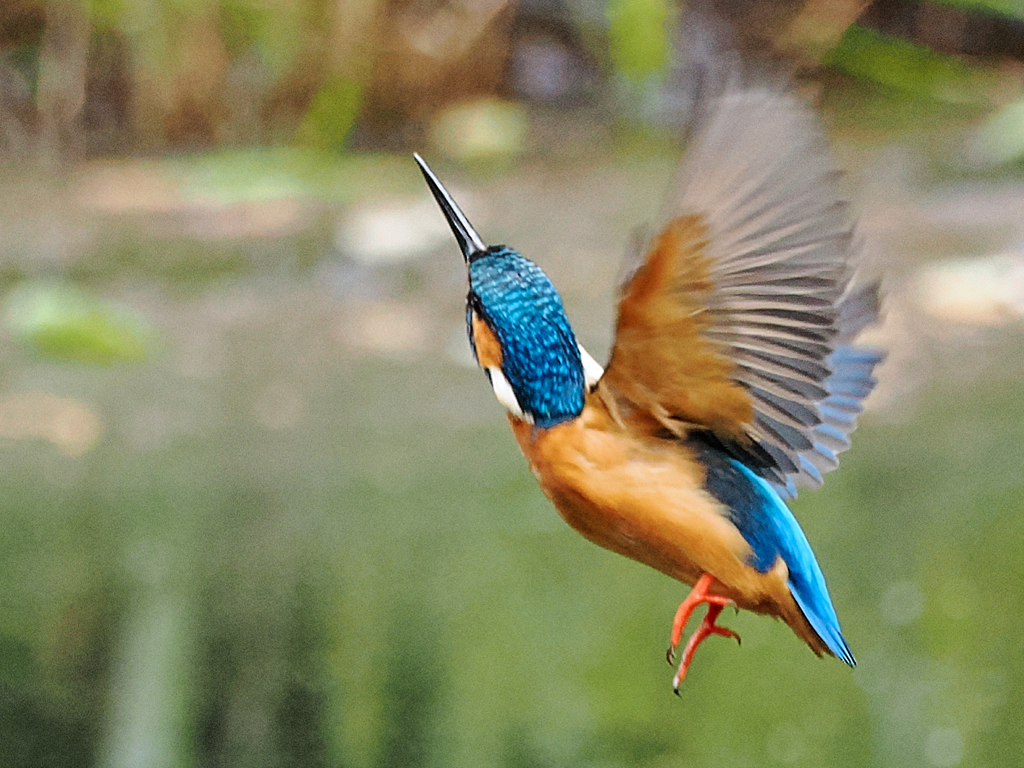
[644,501]
[619,529]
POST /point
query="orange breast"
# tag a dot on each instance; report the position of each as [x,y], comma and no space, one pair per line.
[644,498]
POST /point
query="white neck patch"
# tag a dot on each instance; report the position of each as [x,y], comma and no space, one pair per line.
[592,373]
[503,391]
[592,370]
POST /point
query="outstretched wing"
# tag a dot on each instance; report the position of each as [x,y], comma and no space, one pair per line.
[741,319]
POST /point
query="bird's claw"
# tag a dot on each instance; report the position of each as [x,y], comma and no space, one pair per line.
[707,627]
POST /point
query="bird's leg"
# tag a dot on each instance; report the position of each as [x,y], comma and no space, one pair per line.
[704,631]
[699,594]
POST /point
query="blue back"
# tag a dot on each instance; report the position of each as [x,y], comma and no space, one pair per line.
[540,357]
[770,529]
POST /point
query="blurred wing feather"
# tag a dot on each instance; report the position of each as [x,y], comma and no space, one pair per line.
[741,319]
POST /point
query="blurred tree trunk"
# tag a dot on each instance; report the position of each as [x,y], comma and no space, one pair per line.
[60,93]
[800,31]
[334,57]
[180,72]
[431,56]
[17,112]
[816,28]
[21,26]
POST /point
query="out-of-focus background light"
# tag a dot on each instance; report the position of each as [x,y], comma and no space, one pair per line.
[258,507]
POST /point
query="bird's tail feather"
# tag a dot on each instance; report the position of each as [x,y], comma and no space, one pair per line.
[827,628]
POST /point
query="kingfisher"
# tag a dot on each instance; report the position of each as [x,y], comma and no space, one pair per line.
[735,376]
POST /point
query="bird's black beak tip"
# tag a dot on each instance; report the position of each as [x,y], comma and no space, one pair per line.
[469,241]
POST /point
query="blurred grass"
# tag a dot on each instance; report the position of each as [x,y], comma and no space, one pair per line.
[452,617]
[386,585]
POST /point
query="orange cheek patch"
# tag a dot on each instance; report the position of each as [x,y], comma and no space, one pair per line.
[488,350]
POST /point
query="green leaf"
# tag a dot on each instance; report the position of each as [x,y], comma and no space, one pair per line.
[61,322]
[904,66]
[639,32]
[331,115]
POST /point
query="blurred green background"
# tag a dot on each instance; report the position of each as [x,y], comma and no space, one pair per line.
[258,507]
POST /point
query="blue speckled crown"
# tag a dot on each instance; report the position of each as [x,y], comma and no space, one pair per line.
[541,359]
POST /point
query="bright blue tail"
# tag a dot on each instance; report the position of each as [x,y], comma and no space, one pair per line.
[767,524]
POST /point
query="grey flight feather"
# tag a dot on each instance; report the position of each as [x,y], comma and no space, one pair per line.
[759,173]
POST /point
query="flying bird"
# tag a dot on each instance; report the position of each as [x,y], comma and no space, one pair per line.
[735,375]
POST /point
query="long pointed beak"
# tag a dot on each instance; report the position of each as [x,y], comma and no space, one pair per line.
[467,237]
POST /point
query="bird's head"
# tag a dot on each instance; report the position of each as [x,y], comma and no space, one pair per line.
[517,326]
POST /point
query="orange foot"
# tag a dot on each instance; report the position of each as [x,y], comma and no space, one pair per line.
[699,594]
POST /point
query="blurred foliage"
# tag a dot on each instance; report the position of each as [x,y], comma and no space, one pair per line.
[913,69]
[188,74]
[273,30]
[1000,139]
[62,322]
[331,115]
[1008,7]
[638,36]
